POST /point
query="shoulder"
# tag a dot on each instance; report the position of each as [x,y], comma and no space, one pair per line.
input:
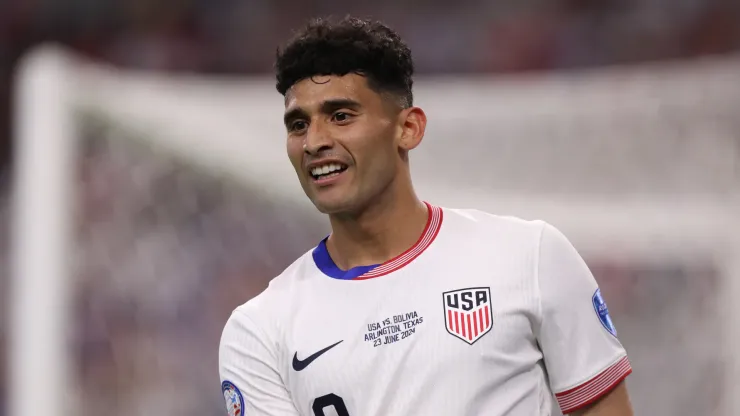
[539,240]
[264,311]
[491,226]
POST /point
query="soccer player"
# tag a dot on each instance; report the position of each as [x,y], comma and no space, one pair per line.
[408,308]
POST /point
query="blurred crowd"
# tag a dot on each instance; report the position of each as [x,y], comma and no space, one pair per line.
[240,36]
[165,253]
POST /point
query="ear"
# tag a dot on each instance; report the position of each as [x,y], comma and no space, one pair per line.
[413,125]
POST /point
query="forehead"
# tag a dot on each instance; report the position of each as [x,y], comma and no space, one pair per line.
[311,92]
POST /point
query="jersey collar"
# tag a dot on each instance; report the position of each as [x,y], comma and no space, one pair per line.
[324,262]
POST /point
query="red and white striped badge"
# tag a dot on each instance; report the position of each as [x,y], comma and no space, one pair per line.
[468,314]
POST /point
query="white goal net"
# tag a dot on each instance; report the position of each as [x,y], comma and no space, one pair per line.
[147,206]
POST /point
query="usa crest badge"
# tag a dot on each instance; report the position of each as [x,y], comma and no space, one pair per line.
[468,313]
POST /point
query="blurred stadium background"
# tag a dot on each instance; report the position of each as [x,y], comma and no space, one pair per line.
[618,121]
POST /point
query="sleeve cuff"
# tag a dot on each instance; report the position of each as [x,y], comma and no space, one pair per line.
[593,389]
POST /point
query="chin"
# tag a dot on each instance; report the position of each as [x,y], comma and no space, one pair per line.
[331,208]
[334,206]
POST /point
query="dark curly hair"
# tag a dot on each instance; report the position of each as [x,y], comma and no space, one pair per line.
[349,45]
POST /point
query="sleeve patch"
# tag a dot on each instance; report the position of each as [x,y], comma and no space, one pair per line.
[234,399]
[603,312]
[592,390]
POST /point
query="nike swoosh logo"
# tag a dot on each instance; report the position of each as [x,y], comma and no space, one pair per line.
[299,365]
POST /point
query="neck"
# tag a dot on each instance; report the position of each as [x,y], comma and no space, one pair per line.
[383,230]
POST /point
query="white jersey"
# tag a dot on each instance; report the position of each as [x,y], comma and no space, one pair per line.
[484,315]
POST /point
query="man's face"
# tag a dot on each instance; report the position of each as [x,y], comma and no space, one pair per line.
[342,141]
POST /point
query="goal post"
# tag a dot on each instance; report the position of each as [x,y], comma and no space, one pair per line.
[637,164]
[41,236]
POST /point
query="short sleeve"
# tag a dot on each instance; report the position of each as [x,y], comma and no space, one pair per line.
[583,357]
[250,381]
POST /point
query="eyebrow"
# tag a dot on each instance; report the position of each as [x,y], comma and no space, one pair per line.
[327,107]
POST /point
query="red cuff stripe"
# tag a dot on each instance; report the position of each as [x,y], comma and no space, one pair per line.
[593,389]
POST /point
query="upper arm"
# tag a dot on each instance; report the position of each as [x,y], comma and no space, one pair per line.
[248,369]
[583,357]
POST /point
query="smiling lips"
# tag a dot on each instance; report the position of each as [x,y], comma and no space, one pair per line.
[325,173]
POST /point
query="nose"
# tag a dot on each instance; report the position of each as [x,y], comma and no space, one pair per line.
[317,140]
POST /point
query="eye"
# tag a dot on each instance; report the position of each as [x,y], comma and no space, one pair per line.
[297,125]
[340,117]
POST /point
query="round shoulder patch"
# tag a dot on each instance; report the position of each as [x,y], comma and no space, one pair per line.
[234,399]
[603,312]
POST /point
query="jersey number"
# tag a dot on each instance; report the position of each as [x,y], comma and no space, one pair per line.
[330,400]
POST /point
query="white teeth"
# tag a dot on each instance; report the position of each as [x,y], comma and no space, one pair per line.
[325,169]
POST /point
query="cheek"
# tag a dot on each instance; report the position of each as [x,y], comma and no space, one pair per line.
[295,152]
[380,159]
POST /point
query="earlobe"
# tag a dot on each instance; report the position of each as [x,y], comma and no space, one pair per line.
[413,128]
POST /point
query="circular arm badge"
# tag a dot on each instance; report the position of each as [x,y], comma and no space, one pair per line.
[603,312]
[234,399]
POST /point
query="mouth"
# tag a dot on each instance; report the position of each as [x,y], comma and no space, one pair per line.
[325,172]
